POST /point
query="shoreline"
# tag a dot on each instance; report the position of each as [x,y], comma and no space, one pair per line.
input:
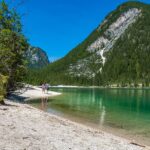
[99,87]
[30,94]
[30,128]
[121,133]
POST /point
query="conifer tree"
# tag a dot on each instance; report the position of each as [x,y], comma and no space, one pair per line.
[13,46]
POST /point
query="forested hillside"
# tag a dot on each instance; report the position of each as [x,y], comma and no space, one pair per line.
[116,52]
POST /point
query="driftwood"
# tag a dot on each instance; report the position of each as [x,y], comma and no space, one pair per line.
[137,144]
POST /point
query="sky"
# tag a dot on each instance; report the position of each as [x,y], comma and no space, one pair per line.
[57,26]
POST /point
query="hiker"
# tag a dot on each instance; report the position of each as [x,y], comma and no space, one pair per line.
[43,88]
[46,87]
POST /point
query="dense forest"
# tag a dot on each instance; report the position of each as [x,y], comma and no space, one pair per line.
[127,63]
[13,45]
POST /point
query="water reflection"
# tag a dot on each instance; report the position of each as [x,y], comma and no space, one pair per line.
[102,112]
[122,109]
[44,104]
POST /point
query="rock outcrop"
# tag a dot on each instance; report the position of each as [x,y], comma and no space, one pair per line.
[104,43]
[37,58]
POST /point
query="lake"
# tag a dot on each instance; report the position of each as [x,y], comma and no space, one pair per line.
[124,112]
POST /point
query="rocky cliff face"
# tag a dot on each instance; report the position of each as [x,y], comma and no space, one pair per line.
[104,43]
[114,32]
[37,58]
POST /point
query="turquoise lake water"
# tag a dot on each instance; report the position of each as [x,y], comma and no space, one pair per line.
[124,112]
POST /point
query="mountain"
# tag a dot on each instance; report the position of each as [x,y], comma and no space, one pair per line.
[36,57]
[116,52]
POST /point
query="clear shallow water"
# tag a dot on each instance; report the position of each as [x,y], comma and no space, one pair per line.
[125,112]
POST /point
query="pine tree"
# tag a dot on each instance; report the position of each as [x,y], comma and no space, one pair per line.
[13,46]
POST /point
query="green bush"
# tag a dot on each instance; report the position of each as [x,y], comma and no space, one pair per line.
[3,85]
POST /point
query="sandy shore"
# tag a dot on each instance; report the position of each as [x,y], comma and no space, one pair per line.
[23,127]
[31,92]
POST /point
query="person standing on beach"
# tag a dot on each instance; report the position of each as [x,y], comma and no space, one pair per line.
[43,88]
[46,87]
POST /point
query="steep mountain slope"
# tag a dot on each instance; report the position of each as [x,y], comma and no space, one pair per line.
[116,52]
[36,57]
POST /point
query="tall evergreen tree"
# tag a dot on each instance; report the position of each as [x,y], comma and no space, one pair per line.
[13,46]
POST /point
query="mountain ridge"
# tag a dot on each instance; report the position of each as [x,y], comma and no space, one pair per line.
[82,65]
[36,57]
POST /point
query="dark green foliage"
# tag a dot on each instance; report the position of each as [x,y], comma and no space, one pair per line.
[3,83]
[13,45]
[129,60]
